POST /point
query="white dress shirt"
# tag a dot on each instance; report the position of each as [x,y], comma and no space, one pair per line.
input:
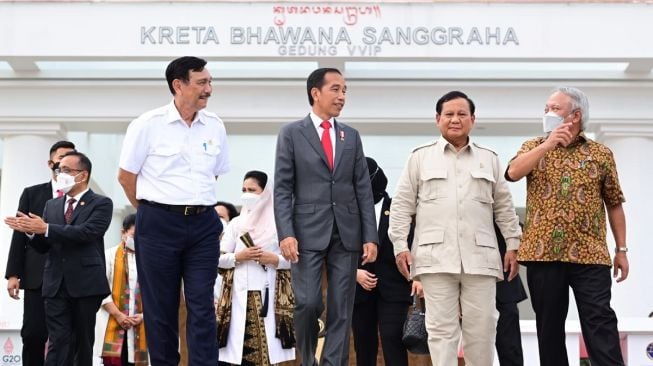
[77,197]
[176,164]
[55,190]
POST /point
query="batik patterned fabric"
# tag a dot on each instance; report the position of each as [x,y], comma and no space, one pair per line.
[566,192]
[255,347]
[223,310]
[284,308]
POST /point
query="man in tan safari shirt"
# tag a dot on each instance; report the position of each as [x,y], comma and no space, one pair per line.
[572,181]
[456,190]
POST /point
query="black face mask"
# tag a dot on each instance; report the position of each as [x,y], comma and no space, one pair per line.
[379,184]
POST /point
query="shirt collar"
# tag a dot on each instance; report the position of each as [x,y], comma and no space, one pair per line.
[53,185]
[174,116]
[581,138]
[78,196]
[443,143]
[317,120]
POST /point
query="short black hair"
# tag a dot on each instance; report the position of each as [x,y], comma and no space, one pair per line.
[84,162]
[316,80]
[260,177]
[454,95]
[179,69]
[61,145]
[128,222]
[231,209]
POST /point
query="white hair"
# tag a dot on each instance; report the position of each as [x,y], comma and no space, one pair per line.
[578,101]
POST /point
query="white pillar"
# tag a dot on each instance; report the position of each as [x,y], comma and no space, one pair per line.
[632,146]
[26,149]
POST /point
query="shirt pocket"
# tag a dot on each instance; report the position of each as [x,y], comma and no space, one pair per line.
[162,157]
[433,184]
[427,243]
[207,156]
[488,251]
[482,186]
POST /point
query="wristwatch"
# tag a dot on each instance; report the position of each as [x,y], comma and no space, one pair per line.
[620,249]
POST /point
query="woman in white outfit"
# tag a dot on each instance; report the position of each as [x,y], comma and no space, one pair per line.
[254,337]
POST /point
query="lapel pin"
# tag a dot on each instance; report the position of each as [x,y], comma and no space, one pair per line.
[342,135]
[82,203]
[387,212]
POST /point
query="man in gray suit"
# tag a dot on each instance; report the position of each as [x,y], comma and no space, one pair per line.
[324,213]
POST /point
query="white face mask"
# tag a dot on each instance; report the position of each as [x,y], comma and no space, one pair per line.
[129,243]
[224,223]
[550,121]
[249,199]
[65,182]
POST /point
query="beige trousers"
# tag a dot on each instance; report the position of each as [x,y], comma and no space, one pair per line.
[447,295]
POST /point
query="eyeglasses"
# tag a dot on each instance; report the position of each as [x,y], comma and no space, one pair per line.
[66,170]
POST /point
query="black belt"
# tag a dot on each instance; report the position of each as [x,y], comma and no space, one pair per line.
[186,210]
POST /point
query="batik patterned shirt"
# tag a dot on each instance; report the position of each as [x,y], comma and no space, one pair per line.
[565,204]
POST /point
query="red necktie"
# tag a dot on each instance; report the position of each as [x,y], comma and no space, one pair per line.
[68,215]
[326,142]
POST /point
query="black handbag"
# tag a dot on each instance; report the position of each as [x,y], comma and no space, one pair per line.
[414,336]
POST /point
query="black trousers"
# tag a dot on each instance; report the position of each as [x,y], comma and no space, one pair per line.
[549,284]
[508,340]
[34,332]
[374,316]
[71,328]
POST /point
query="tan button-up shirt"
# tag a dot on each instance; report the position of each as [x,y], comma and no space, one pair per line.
[455,197]
[566,194]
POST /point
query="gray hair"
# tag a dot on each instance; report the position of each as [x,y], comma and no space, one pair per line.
[578,101]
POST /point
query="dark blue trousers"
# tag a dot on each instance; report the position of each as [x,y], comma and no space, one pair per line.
[171,247]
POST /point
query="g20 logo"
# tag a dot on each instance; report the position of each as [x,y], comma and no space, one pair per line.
[11,359]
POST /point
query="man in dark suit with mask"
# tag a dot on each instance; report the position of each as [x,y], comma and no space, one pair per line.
[382,295]
[71,232]
[25,265]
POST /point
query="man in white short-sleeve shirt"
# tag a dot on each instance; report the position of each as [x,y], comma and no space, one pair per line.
[170,160]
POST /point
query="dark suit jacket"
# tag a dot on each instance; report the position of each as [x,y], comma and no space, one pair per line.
[25,262]
[75,252]
[309,199]
[391,285]
[508,291]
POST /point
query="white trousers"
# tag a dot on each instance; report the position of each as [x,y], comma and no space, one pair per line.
[447,295]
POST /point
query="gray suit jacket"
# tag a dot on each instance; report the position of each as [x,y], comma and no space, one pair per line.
[309,198]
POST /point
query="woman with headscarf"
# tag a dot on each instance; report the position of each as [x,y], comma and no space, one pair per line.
[259,321]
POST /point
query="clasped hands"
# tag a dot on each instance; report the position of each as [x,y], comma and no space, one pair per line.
[258,255]
[26,223]
[127,322]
